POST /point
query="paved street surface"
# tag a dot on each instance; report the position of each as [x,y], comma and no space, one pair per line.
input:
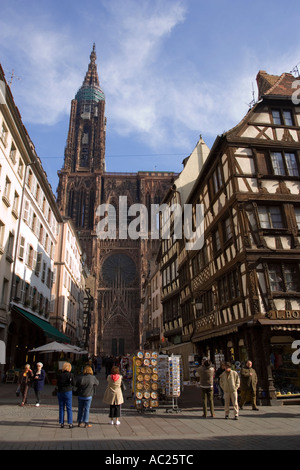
[37,428]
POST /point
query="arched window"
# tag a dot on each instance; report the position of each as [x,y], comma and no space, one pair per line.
[91,210]
[81,209]
[71,204]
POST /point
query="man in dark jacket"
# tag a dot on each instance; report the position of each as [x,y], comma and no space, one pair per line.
[248,386]
[207,373]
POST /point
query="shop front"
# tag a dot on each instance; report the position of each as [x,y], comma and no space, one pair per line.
[268,344]
[282,336]
[27,331]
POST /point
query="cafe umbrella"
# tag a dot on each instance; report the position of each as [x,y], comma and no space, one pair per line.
[53,347]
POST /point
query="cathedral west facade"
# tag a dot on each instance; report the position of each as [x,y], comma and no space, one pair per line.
[117,266]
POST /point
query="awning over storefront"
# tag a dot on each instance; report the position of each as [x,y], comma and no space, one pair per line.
[214,333]
[49,330]
[281,325]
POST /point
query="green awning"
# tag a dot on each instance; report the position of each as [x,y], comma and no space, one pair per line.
[49,330]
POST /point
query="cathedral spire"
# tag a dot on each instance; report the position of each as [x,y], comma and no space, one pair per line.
[91,77]
[90,89]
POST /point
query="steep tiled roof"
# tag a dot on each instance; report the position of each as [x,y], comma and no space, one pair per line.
[275,85]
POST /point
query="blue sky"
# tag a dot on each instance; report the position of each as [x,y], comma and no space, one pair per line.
[170,70]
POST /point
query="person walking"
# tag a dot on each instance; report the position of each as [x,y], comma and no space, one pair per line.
[248,386]
[24,380]
[230,382]
[206,374]
[65,385]
[85,390]
[113,395]
[109,363]
[38,382]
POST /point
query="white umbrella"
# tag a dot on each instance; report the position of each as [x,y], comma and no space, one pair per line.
[77,350]
[53,347]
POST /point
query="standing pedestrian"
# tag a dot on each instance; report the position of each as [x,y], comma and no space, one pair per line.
[207,373]
[113,395]
[109,362]
[85,390]
[230,382]
[24,381]
[38,382]
[248,386]
[65,385]
[218,375]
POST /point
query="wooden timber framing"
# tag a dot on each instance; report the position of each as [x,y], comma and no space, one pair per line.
[246,277]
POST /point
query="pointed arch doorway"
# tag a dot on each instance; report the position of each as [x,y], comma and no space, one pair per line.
[118,336]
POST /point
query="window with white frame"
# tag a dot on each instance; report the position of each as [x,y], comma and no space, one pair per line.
[21,168]
[4,134]
[15,207]
[2,232]
[13,153]
[7,187]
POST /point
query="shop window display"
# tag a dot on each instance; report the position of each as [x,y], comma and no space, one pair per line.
[286,375]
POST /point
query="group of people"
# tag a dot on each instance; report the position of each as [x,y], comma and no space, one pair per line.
[83,387]
[28,376]
[230,382]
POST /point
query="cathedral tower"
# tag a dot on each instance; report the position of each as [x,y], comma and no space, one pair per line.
[117,266]
[84,160]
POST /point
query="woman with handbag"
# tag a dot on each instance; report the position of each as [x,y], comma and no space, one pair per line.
[65,385]
[113,395]
[85,389]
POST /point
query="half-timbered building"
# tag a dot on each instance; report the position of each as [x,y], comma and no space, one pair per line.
[245,280]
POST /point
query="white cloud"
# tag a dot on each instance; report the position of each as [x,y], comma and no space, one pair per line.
[150,97]
[48,77]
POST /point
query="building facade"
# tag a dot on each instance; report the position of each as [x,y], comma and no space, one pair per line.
[152,310]
[68,289]
[29,227]
[176,296]
[117,264]
[245,279]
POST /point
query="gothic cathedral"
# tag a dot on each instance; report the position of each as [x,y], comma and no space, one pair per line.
[117,266]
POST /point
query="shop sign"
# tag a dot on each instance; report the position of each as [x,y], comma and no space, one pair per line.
[203,327]
[284,314]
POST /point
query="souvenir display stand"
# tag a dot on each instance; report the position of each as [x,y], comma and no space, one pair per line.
[219,359]
[145,381]
[170,381]
[193,366]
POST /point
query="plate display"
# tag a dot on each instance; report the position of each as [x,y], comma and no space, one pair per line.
[145,383]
